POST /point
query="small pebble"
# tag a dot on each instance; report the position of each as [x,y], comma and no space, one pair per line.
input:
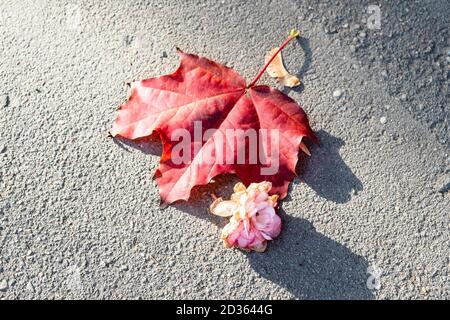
[448,59]
[403,97]
[383,120]
[329,30]
[337,93]
[384,74]
[30,287]
[4,101]
[123,268]
[442,184]
[3,285]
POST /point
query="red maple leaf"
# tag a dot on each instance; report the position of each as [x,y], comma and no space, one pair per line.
[201,95]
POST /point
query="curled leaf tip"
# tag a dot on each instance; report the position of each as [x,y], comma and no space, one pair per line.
[305,149]
[294,33]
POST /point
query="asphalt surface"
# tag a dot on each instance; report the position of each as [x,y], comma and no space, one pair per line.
[79,213]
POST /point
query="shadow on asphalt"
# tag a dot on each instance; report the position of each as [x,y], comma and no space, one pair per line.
[305,262]
[302,260]
[201,198]
[305,66]
[304,44]
[326,172]
[310,265]
[148,145]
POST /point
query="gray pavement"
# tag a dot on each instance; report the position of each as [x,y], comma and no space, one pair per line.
[79,212]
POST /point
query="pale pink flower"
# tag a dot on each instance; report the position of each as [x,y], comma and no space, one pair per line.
[253,219]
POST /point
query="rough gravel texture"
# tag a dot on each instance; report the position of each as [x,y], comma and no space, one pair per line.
[79,212]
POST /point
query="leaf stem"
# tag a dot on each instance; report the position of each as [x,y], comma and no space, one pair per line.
[294,34]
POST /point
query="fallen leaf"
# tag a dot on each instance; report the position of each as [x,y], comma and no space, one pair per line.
[204,92]
[277,70]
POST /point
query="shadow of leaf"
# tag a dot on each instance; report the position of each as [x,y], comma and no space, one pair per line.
[327,173]
[201,198]
[148,145]
[303,69]
[304,44]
